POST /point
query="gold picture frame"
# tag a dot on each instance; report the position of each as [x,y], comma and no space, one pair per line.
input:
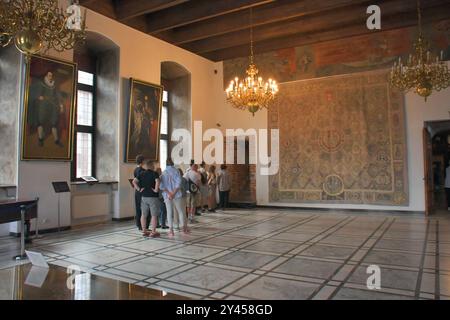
[143,132]
[49,109]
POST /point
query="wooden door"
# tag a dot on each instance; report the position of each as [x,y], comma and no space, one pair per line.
[428,174]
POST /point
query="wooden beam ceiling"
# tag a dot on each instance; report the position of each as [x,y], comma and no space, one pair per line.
[194,11]
[105,7]
[127,9]
[389,23]
[273,12]
[326,20]
[219,29]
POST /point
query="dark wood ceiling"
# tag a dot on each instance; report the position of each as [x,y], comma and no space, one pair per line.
[220,29]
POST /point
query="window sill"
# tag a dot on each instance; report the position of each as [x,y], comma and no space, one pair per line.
[77,183]
[7,186]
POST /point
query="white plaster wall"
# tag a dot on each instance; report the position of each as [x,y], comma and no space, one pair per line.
[417,112]
[140,58]
[34,180]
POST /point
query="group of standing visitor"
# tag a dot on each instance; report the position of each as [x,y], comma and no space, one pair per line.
[172,198]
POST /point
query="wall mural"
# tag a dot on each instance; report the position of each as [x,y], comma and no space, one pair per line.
[374,51]
[49,110]
[342,140]
[144,120]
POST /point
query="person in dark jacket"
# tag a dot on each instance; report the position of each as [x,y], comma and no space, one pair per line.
[137,195]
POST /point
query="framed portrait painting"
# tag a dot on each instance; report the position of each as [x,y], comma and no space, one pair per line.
[144,120]
[49,108]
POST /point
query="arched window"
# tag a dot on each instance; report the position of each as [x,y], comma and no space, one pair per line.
[164,137]
[176,112]
[96,129]
[83,163]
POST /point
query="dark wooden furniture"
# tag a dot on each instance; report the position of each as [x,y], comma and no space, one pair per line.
[10,211]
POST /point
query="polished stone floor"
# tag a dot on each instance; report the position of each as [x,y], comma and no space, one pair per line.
[268,254]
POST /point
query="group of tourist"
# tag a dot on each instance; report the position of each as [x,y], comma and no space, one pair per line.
[173,198]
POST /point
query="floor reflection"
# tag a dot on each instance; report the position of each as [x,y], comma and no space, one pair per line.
[26,282]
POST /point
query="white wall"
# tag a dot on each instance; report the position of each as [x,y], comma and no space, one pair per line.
[140,57]
[417,112]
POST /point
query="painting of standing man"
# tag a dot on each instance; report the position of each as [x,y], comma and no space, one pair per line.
[49,110]
[144,120]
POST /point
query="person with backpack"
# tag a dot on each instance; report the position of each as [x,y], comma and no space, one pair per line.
[193,198]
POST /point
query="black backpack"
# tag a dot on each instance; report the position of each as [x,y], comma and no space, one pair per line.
[193,188]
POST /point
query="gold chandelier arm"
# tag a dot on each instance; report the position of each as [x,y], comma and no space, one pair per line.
[423,72]
[37,25]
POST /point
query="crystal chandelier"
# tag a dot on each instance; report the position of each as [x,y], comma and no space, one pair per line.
[36,25]
[251,93]
[423,72]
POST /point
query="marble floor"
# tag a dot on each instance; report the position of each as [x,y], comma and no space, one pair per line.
[267,254]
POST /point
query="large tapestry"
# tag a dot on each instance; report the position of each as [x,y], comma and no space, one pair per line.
[342,140]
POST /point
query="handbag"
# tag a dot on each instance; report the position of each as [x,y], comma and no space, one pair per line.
[193,188]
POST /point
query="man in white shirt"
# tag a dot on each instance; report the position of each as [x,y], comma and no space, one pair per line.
[194,179]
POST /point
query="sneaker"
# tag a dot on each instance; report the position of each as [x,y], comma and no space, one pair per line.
[158,226]
[164,227]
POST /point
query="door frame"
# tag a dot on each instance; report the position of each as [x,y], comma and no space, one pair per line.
[427,154]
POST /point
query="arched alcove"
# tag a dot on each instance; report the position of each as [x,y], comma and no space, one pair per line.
[106,55]
[176,80]
[101,57]
[9,124]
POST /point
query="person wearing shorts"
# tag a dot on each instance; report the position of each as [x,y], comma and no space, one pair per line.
[147,183]
[193,198]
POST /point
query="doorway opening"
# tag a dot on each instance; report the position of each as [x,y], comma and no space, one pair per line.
[436,159]
[243,176]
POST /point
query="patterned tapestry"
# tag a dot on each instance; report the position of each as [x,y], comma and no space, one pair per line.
[342,140]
